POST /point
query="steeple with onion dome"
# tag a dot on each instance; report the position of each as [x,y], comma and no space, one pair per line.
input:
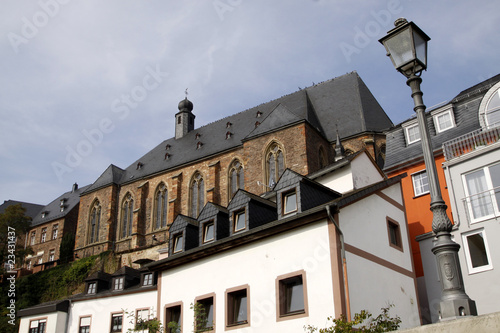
[184,119]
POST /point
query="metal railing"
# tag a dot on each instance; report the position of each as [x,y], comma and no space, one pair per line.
[470,142]
[482,206]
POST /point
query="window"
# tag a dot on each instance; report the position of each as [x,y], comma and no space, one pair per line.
[52,255]
[178,246]
[147,279]
[173,315]
[412,134]
[420,183]
[84,325]
[161,204]
[141,317]
[275,164]
[33,237]
[292,296]
[28,266]
[443,121]
[493,109]
[236,178]
[289,202]
[44,235]
[237,307]
[394,233]
[92,288]
[55,229]
[483,190]
[38,326]
[116,322]
[476,251]
[239,221]
[118,283]
[205,319]
[94,222]
[208,232]
[197,194]
[40,261]
[127,216]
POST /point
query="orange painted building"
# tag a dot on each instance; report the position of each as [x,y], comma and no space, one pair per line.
[418,214]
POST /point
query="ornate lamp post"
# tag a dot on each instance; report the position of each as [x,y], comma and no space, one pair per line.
[406,44]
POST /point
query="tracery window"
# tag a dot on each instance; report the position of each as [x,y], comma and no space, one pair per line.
[275,164]
[94,222]
[127,211]
[197,194]
[161,204]
[236,178]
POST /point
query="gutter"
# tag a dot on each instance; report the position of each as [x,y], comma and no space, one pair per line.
[344,262]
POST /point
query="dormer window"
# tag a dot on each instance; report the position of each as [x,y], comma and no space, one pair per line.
[239,220]
[178,243]
[257,123]
[167,147]
[167,156]
[289,202]
[199,145]
[444,121]
[412,134]
[208,232]
[259,114]
[139,166]
[44,214]
[228,124]
[118,283]
[228,135]
[92,288]
[61,205]
[147,279]
[197,136]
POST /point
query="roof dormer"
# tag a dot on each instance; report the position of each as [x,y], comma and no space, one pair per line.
[247,211]
[183,234]
[214,223]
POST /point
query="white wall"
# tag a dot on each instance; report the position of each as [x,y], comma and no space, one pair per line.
[340,180]
[258,265]
[372,284]
[364,172]
[101,309]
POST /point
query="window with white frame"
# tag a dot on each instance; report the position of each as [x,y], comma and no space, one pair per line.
[483,193]
[141,317]
[412,134]
[493,109]
[38,325]
[444,121]
[118,283]
[476,251]
[420,183]
[116,322]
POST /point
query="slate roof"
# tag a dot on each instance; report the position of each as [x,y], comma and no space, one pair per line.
[53,209]
[465,108]
[344,101]
[32,210]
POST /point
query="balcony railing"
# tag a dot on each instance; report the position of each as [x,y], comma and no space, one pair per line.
[482,206]
[470,142]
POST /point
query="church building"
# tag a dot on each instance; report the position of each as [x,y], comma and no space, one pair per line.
[130,210]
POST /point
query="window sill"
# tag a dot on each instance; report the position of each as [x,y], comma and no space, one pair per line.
[421,195]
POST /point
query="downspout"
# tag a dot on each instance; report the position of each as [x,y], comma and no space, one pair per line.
[344,262]
[70,305]
[457,222]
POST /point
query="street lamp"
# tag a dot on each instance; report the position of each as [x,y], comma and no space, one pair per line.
[406,44]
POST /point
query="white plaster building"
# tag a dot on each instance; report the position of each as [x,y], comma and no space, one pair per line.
[274,263]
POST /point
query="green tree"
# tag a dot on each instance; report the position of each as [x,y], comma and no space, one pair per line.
[363,322]
[13,224]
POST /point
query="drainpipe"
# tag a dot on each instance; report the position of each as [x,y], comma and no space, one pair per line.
[344,263]
[70,305]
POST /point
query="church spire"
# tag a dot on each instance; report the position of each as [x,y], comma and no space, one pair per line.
[184,119]
[339,149]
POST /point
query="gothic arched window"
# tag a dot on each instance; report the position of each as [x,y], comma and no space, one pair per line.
[196,194]
[236,178]
[161,203]
[94,222]
[127,216]
[323,162]
[275,164]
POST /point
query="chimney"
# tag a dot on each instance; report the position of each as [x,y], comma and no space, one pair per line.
[74,188]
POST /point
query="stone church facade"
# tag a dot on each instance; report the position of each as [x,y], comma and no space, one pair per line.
[130,210]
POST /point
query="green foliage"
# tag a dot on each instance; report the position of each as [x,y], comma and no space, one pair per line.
[201,323]
[363,322]
[173,327]
[151,324]
[66,248]
[13,224]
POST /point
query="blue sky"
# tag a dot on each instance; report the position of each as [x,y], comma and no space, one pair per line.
[86,84]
